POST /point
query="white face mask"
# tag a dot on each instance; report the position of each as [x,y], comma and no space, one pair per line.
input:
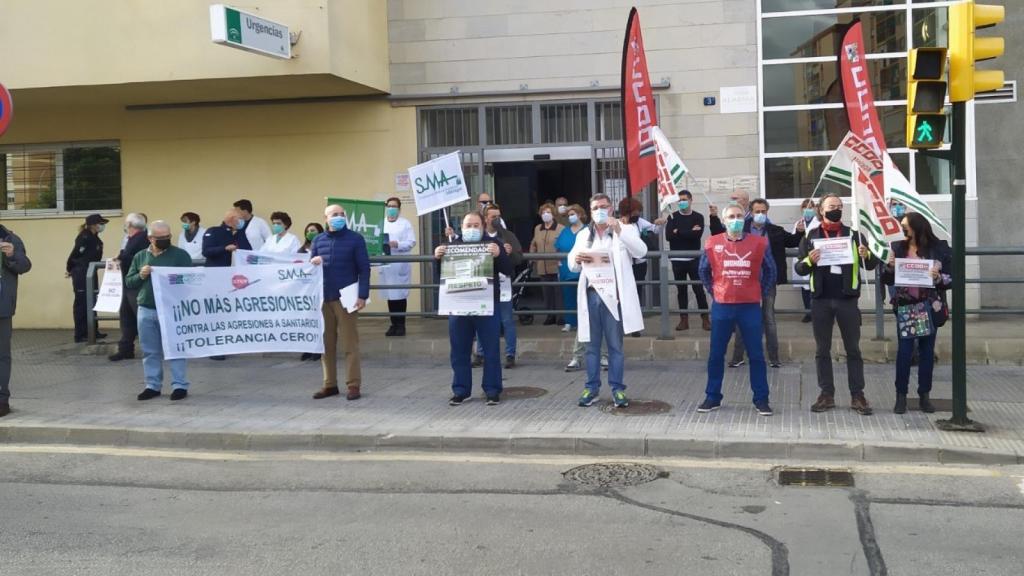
[546,217]
[600,215]
[562,209]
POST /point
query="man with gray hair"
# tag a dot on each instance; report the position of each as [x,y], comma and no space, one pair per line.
[135,231]
[159,253]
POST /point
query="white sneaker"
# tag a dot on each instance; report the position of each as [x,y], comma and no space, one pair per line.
[566,328]
[604,362]
[573,365]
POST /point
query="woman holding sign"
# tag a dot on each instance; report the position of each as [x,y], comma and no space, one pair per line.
[461,328]
[920,269]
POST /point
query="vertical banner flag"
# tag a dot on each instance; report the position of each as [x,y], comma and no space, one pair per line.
[898,188]
[638,114]
[865,212]
[438,183]
[671,171]
[366,218]
[860,103]
[852,155]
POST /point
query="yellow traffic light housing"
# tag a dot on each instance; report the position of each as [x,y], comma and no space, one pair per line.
[965,49]
[926,97]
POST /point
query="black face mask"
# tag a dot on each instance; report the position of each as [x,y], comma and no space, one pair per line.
[163,243]
[834,215]
[634,218]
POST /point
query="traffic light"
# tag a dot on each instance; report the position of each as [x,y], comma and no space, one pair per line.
[965,49]
[926,97]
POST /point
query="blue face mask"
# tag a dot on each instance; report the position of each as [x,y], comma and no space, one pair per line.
[573,219]
[734,226]
[186,226]
[898,210]
[391,211]
[241,223]
[277,228]
[600,215]
[808,214]
[472,234]
[337,222]
[760,219]
[684,204]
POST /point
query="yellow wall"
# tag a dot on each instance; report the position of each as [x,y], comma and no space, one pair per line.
[281,157]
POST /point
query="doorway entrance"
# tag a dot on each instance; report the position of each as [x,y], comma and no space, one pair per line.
[521,187]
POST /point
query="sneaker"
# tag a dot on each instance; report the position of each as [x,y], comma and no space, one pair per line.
[510,361]
[478,361]
[179,394]
[763,409]
[823,403]
[587,398]
[604,363]
[709,405]
[493,400]
[148,393]
[566,328]
[117,357]
[737,364]
[457,400]
[775,364]
[573,365]
[620,399]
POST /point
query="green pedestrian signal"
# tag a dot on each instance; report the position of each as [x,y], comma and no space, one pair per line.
[924,132]
[928,130]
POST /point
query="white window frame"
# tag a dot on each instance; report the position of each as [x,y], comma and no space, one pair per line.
[909,8]
[58,148]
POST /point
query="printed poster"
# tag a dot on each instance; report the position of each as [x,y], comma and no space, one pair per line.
[467,281]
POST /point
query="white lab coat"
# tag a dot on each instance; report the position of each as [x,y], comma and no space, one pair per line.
[400,272]
[257,231]
[195,247]
[286,244]
[623,247]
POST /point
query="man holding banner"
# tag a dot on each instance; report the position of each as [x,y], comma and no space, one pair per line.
[832,255]
[159,253]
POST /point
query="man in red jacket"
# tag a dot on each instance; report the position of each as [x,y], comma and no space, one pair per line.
[738,271]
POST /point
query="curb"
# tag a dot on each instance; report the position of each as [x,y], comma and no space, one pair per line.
[639,446]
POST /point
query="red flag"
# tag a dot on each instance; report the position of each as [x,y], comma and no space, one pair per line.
[638,113]
[860,103]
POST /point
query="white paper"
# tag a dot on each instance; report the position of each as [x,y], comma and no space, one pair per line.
[467,281]
[834,251]
[506,288]
[737,99]
[109,297]
[914,272]
[600,274]
[349,294]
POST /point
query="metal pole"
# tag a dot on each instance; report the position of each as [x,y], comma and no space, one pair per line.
[879,301]
[663,266]
[959,421]
[90,301]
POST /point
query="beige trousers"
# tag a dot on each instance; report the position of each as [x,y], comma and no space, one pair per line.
[337,319]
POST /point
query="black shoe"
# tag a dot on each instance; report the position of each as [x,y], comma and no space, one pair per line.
[390,332]
[121,356]
[925,404]
[510,361]
[478,361]
[708,405]
[399,330]
[774,364]
[549,321]
[763,408]
[100,335]
[305,356]
[901,404]
[493,400]
[806,318]
[148,393]
[218,358]
[5,409]
[737,364]
[80,340]
[314,357]
[179,394]
[637,334]
[457,400]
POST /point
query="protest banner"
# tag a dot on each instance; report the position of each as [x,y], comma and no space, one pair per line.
[244,310]
[438,183]
[365,218]
[251,258]
[467,281]
[834,251]
[109,297]
[914,272]
[600,274]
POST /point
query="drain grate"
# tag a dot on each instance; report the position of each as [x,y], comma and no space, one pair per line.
[814,477]
[638,408]
[614,474]
[522,392]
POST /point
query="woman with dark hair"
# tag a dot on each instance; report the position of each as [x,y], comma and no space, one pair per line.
[191,237]
[920,310]
[281,241]
[311,231]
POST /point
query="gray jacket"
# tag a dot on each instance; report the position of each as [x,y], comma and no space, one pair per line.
[12,267]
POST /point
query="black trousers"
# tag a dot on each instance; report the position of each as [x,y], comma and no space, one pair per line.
[129,321]
[825,313]
[398,306]
[640,273]
[552,294]
[78,308]
[689,271]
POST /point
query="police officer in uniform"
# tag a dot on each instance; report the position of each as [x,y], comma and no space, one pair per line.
[88,248]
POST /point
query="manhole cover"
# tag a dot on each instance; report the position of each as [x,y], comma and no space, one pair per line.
[638,408]
[814,477]
[614,474]
[522,392]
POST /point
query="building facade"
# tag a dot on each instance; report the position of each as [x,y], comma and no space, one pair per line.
[129,106]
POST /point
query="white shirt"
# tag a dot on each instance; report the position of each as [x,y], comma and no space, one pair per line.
[257,231]
[287,243]
[400,231]
[195,247]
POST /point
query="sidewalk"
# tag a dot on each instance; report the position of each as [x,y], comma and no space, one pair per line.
[64,395]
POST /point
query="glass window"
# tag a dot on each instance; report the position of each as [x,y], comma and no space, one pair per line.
[92,178]
[931,27]
[450,127]
[563,122]
[61,178]
[794,5]
[509,125]
[609,120]
[934,172]
[818,82]
[810,130]
[31,180]
[798,176]
[819,35]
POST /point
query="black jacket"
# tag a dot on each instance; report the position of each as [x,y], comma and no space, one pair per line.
[13,266]
[217,239]
[940,252]
[850,272]
[88,248]
[778,240]
[135,244]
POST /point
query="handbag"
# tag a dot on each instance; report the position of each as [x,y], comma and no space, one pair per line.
[914,320]
[940,309]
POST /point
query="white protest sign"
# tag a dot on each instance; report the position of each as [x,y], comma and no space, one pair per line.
[438,183]
[600,274]
[109,297]
[834,251]
[914,272]
[252,258]
[239,310]
[467,281]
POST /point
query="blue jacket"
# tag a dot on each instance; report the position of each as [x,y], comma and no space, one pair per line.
[345,260]
[217,239]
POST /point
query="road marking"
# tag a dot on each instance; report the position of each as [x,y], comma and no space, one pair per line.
[212,455]
[1020,485]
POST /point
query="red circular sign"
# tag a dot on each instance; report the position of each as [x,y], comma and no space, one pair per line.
[239,281]
[6,109]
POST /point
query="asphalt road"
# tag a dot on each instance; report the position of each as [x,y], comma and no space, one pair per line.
[113,512]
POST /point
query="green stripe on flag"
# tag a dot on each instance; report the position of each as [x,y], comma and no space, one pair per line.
[865,218]
[841,171]
[919,206]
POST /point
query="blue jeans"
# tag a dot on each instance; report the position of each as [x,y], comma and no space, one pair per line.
[604,326]
[153,354]
[460,334]
[569,303]
[724,319]
[508,324]
[925,362]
